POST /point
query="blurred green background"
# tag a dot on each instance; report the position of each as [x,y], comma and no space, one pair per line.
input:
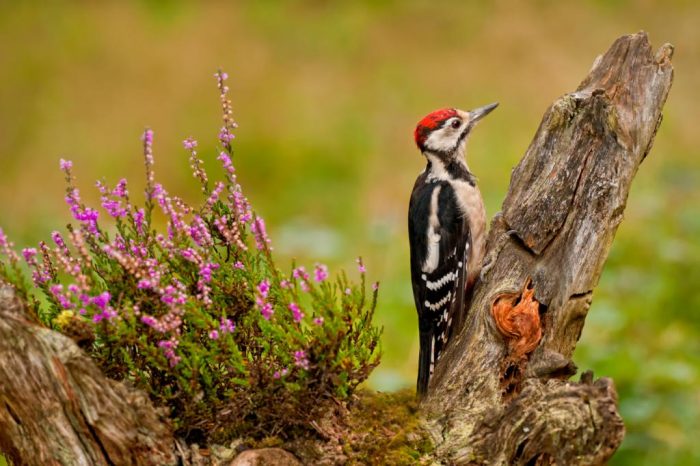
[327,95]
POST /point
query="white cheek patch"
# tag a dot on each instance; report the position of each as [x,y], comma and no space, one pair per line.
[442,140]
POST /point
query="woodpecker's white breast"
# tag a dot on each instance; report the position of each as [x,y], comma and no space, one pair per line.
[472,205]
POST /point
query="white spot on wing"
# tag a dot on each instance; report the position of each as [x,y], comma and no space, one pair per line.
[439,304]
[442,281]
[432,258]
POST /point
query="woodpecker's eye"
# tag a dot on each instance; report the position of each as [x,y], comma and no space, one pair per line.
[456,124]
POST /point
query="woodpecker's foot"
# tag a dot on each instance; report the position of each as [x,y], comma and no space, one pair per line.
[488,264]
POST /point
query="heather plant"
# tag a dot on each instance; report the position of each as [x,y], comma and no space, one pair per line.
[198,315]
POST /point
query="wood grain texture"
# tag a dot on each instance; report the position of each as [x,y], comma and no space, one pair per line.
[566,199]
[57,408]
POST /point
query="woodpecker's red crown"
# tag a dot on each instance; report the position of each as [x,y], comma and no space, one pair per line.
[430,122]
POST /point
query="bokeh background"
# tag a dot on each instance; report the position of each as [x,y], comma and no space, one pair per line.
[327,95]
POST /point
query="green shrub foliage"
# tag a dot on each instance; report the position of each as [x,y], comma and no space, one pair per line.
[198,315]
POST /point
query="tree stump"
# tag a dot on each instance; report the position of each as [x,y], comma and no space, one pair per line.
[500,393]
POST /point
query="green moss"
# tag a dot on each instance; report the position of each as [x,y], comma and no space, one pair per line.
[385,429]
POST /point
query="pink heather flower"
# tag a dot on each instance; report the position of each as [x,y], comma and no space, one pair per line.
[226,326]
[58,239]
[138,217]
[144,284]
[285,284]
[189,254]
[3,239]
[318,321]
[214,335]
[375,286]
[168,347]
[360,265]
[264,288]
[226,136]
[205,271]
[101,300]
[66,165]
[120,190]
[280,374]
[29,255]
[189,143]
[238,265]
[104,315]
[149,320]
[216,192]
[199,232]
[226,162]
[300,272]
[300,359]
[296,312]
[147,137]
[113,207]
[260,233]
[348,291]
[158,191]
[266,310]
[321,272]
[56,289]
[304,286]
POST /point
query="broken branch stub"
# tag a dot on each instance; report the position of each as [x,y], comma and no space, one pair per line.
[566,199]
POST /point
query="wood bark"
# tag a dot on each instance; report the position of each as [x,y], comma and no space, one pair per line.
[500,393]
[56,407]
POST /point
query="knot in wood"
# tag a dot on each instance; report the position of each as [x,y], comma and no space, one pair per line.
[517,318]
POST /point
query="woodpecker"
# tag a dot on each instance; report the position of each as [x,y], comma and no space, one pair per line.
[446,231]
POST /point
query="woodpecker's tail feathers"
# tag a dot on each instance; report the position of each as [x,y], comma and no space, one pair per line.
[426,360]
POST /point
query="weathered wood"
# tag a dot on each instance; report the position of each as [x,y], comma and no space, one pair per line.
[566,199]
[57,408]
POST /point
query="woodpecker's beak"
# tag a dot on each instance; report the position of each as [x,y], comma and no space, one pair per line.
[479,113]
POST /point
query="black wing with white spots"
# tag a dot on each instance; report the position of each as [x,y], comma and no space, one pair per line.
[439,239]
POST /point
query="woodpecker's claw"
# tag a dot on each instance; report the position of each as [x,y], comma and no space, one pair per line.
[488,264]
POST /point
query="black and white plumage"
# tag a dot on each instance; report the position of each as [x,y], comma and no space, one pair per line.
[446,226]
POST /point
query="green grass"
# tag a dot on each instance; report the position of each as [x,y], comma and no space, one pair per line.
[327,96]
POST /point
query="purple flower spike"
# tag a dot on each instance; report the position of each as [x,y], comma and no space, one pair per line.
[226,326]
[300,359]
[29,255]
[296,312]
[267,311]
[259,232]
[320,272]
[264,288]
[189,143]
[66,165]
[101,300]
